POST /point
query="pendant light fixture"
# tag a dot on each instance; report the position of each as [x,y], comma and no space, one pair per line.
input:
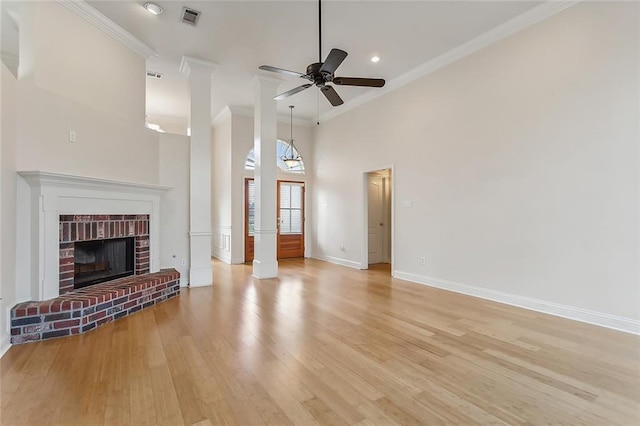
[289,159]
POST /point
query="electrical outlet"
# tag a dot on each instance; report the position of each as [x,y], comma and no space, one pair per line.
[184,262]
[423,260]
[72,136]
[342,247]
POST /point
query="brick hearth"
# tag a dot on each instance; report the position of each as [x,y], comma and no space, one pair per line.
[82,310]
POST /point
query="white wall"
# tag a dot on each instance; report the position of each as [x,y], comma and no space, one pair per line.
[8,107]
[66,56]
[243,142]
[521,164]
[221,166]
[174,208]
[72,76]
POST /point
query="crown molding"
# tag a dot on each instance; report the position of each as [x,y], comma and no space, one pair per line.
[98,20]
[260,79]
[520,22]
[245,111]
[189,63]
[222,115]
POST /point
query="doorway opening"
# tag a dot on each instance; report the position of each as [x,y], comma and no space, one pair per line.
[378,235]
[290,219]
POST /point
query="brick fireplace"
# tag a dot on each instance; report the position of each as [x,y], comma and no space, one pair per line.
[60,214]
[84,228]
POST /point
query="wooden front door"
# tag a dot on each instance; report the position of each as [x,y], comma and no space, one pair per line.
[290,219]
[249,218]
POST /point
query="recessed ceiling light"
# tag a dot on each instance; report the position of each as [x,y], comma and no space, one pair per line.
[153,8]
[375,58]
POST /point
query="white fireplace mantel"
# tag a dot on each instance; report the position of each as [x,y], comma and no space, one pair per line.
[44,196]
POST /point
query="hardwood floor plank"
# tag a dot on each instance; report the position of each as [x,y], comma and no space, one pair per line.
[325,344]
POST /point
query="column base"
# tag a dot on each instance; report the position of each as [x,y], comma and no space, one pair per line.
[200,277]
[265,269]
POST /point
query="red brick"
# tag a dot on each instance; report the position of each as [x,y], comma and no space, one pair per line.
[44,309]
[130,304]
[104,321]
[97,315]
[66,323]
[66,267]
[75,330]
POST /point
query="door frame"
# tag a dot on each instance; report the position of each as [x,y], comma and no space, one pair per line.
[364,262]
[245,212]
[245,217]
[304,214]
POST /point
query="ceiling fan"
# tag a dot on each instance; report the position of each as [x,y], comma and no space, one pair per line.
[321,73]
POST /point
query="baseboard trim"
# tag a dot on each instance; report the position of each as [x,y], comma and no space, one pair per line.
[626,325]
[338,261]
[226,258]
[5,344]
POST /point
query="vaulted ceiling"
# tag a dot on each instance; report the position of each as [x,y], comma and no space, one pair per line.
[241,35]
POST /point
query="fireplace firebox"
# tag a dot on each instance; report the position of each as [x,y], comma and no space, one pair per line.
[98,261]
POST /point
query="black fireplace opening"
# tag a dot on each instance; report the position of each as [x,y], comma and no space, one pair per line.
[98,261]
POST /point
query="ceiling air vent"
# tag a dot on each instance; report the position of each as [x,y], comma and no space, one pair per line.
[154,75]
[190,16]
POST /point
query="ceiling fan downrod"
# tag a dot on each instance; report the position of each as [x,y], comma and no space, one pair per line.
[319,30]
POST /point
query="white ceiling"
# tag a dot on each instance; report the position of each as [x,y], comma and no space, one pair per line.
[241,35]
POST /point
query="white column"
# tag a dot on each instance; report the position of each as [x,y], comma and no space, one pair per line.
[199,73]
[265,264]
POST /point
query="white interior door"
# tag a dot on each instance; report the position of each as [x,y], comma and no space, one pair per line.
[375,202]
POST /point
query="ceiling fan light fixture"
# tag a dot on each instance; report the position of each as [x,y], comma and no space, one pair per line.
[153,8]
[375,59]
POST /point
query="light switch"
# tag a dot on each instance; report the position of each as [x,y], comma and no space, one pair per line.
[72,136]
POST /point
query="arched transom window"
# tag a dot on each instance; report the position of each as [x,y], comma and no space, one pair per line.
[282,149]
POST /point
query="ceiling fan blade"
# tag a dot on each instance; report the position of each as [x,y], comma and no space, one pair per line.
[332,96]
[355,81]
[292,91]
[333,61]
[280,70]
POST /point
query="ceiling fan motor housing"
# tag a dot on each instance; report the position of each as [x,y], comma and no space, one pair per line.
[314,74]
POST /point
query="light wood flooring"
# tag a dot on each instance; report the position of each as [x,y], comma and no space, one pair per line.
[325,344]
